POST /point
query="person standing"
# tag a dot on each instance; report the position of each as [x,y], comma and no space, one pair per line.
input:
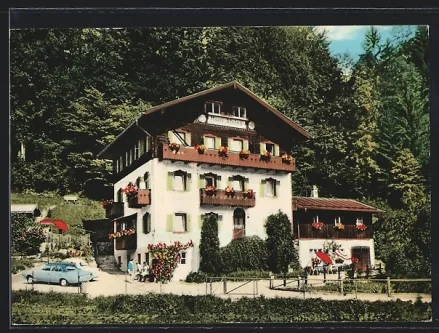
[130,269]
[139,271]
[145,272]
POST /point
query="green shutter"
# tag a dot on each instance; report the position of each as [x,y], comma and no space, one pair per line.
[276,188]
[170,136]
[201,181]
[169,181]
[262,147]
[188,223]
[188,139]
[262,188]
[200,221]
[188,182]
[229,181]
[276,150]
[229,144]
[169,222]
[217,143]
[245,144]
[246,182]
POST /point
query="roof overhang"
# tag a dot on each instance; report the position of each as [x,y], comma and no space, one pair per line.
[333,204]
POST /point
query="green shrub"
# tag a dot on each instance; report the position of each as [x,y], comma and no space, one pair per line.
[411,287]
[196,277]
[244,254]
[210,258]
[18,265]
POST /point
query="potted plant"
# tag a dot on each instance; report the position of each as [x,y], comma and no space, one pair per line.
[200,148]
[317,225]
[266,156]
[339,226]
[210,190]
[174,146]
[106,203]
[249,194]
[131,190]
[122,233]
[361,227]
[244,154]
[230,192]
[286,158]
[223,151]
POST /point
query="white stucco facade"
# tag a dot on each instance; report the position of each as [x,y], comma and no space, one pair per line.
[166,202]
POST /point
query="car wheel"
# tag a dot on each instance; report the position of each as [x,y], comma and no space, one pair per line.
[30,279]
[63,282]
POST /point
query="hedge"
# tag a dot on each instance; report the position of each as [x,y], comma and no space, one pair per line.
[165,309]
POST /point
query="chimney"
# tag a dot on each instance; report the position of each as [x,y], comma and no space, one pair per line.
[315,192]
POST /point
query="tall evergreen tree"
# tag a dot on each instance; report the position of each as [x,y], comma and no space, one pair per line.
[210,256]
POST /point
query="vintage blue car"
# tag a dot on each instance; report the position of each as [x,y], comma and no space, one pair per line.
[58,272]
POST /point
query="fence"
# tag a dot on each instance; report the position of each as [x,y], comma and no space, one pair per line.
[228,286]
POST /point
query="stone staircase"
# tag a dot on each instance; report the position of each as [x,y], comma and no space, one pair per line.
[108,264]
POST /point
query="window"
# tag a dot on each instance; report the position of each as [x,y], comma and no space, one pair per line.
[147,257]
[270,190]
[237,145]
[179,224]
[47,268]
[146,180]
[175,137]
[315,218]
[127,158]
[183,258]
[136,150]
[270,148]
[178,181]
[209,181]
[56,269]
[146,223]
[359,220]
[239,111]
[121,163]
[213,107]
[209,142]
[237,182]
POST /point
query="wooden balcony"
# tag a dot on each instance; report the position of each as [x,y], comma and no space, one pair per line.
[126,242]
[114,210]
[328,231]
[221,199]
[142,199]
[189,154]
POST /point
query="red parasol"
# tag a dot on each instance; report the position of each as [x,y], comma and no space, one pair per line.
[325,258]
[61,225]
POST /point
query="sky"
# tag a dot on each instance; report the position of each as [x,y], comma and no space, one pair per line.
[349,39]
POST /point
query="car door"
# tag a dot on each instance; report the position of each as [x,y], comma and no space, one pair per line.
[42,274]
[56,273]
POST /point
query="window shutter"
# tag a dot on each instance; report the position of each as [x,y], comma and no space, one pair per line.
[170,136]
[201,182]
[276,188]
[262,147]
[262,188]
[145,223]
[141,146]
[276,150]
[246,183]
[188,182]
[188,139]
[229,143]
[245,145]
[200,221]
[217,143]
[169,222]
[188,223]
[169,181]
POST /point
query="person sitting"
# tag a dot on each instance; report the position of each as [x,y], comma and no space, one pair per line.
[144,273]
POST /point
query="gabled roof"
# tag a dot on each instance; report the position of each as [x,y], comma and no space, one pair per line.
[233,84]
[24,208]
[333,204]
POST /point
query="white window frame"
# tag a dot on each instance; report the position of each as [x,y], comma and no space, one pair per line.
[240,112]
[183,258]
[183,221]
[235,141]
[210,107]
[207,138]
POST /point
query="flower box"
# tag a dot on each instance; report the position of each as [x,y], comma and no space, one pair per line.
[339,226]
[174,147]
[122,233]
[210,190]
[230,191]
[249,194]
[317,225]
[200,148]
[244,154]
[266,156]
[361,227]
[223,151]
[287,159]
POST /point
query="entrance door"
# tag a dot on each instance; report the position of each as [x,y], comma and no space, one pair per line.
[362,253]
[238,223]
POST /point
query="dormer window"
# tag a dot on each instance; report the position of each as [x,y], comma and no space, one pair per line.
[213,107]
[240,112]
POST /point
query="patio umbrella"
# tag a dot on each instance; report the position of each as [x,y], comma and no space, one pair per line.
[324,257]
[60,224]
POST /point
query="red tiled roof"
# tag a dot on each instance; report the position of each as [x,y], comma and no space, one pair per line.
[333,204]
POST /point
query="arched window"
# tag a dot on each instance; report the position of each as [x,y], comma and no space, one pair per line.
[238,223]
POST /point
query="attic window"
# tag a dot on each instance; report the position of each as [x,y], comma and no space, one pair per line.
[240,112]
[213,107]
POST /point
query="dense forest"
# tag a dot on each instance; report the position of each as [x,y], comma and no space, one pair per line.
[74,90]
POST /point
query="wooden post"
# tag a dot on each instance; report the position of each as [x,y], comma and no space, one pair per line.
[341,286]
[388,286]
[298,283]
[211,286]
[324,274]
[254,288]
[225,286]
[271,281]
[339,272]
[355,283]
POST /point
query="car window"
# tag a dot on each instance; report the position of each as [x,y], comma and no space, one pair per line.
[46,268]
[71,268]
[57,268]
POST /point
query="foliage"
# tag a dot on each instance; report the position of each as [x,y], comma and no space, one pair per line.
[196,277]
[244,254]
[168,308]
[26,236]
[210,258]
[20,264]
[167,257]
[279,242]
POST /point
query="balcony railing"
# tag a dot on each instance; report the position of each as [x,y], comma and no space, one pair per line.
[114,210]
[142,199]
[328,231]
[189,154]
[126,242]
[221,199]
